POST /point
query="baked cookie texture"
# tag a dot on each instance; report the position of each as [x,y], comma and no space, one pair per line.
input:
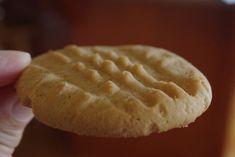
[114,91]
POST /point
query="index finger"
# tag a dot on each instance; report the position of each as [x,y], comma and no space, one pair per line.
[11,65]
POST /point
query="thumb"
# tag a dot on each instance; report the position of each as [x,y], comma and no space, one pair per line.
[13,116]
[13,119]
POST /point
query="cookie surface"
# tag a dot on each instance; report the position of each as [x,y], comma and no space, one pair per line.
[114,91]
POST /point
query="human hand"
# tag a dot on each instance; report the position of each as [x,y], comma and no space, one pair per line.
[13,116]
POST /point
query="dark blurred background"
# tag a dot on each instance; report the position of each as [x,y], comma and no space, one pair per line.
[202,31]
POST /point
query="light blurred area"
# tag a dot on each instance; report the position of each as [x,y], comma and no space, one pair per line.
[230,2]
[229,147]
[202,31]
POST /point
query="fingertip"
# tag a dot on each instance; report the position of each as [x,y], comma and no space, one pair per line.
[23,58]
[15,58]
[11,64]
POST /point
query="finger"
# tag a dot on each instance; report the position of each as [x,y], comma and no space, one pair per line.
[11,64]
[13,119]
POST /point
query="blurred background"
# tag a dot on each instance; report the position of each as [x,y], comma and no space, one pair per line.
[202,31]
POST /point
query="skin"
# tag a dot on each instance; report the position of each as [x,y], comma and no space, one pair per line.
[14,117]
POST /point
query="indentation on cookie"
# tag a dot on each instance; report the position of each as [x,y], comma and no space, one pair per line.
[71,49]
[139,70]
[109,67]
[84,98]
[79,66]
[152,98]
[171,89]
[77,52]
[124,61]
[110,54]
[61,57]
[191,85]
[59,86]
[110,88]
[96,59]
[92,74]
[130,81]
[36,66]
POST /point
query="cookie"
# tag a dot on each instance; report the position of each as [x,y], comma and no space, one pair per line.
[114,91]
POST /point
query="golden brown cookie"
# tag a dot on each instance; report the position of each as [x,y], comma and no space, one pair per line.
[114,91]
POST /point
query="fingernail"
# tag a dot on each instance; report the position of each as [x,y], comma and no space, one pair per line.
[23,58]
[22,113]
[11,57]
